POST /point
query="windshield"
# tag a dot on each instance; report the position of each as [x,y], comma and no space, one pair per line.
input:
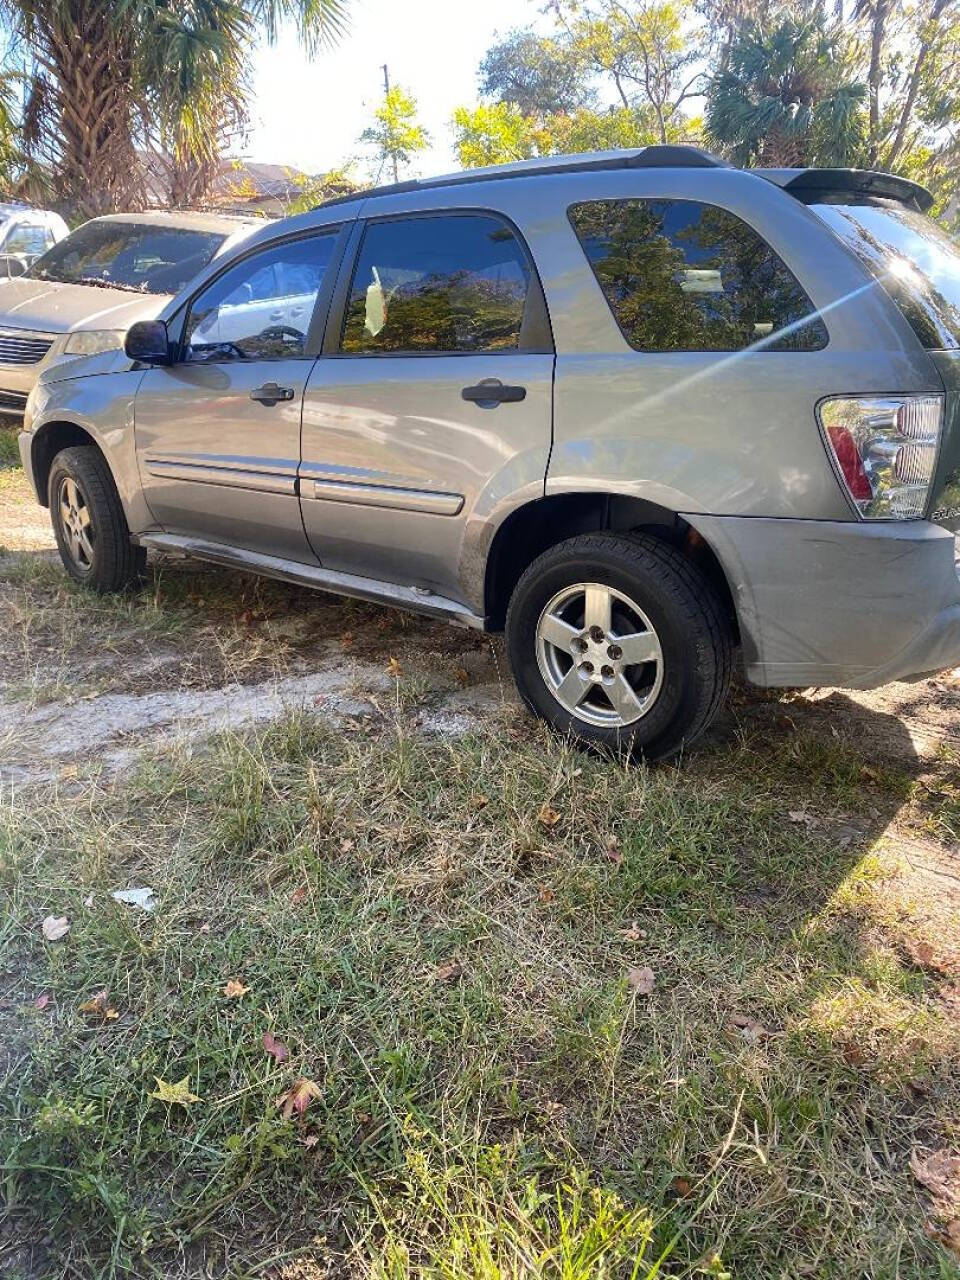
[915,260]
[128,255]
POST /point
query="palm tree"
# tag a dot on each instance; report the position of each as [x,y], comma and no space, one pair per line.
[104,76]
[783,100]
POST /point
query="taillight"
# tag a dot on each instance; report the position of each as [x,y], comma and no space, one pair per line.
[885,449]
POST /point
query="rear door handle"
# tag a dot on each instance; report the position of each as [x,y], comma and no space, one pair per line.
[270,393]
[491,392]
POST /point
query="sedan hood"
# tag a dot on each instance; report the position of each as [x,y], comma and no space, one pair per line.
[49,307]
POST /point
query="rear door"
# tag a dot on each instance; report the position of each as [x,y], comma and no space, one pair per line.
[218,432]
[432,397]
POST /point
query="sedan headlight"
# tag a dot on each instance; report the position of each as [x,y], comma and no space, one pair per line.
[90,342]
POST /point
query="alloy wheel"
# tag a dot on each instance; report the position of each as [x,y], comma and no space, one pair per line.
[76,523]
[599,655]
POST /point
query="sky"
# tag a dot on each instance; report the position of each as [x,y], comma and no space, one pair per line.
[309,114]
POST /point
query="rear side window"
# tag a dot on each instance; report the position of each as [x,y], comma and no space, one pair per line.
[912,257]
[684,276]
[445,283]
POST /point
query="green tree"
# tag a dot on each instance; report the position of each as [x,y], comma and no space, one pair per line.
[647,51]
[785,98]
[539,75]
[497,133]
[395,133]
[108,76]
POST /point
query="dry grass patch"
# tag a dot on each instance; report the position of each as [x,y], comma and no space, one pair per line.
[442,935]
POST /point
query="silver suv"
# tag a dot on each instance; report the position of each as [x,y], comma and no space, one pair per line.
[637,408]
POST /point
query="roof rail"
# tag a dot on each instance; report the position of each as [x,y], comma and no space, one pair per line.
[655,157]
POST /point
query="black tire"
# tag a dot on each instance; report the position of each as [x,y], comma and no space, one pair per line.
[680,605]
[107,560]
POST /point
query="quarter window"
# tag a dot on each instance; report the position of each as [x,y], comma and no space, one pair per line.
[261,308]
[684,276]
[447,283]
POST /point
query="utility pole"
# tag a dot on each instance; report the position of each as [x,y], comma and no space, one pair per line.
[386,92]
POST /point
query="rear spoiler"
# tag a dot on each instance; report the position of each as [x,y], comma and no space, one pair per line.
[839,185]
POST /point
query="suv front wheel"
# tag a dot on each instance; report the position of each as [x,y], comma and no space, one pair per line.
[88,521]
[620,641]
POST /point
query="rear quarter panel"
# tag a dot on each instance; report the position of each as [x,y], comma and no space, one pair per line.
[718,432]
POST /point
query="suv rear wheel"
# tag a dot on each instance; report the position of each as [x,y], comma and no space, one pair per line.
[88,521]
[620,641]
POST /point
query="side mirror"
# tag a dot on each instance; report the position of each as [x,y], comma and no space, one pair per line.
[148,340]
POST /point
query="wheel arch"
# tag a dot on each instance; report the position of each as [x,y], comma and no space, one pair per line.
[51,439]
[543,522]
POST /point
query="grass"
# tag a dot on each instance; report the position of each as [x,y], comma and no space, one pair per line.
[443,935]
[9,450]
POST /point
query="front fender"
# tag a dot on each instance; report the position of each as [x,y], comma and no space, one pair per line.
[102,407]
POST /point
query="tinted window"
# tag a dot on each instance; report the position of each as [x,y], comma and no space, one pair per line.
[129,255]
[913,258]
[456,283]
[261,308]
[685,276]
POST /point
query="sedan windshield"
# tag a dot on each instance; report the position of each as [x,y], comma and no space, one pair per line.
[128,255]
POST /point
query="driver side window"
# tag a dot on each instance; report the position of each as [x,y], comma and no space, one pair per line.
[250,313]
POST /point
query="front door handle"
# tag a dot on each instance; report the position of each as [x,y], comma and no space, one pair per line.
[270,393]
[491,392]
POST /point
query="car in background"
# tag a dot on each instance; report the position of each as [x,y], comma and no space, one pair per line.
[25,234]
[81,295]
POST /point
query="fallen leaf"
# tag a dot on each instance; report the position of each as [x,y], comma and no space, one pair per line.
[346,640]
[310,1140]
[641,980]
[634,933]
[612,853]
[142,898]
[204,928]
[174,1093]
[234,989]
[275,1047]
[41,1002]
[681,1187]
[55,928]
[937,960]
[798,815]
[748,1029]
[298,1097]
[548,817]
[462,676]
[448,971]
[393,668]
[479,801]
[99,1006]
[940,1174]
[298,895]
[346,845]
[546,894]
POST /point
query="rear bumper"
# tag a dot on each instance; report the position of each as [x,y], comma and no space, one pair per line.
[840,603]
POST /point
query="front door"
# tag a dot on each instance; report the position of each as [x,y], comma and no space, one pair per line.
[218,432]
[432,402]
